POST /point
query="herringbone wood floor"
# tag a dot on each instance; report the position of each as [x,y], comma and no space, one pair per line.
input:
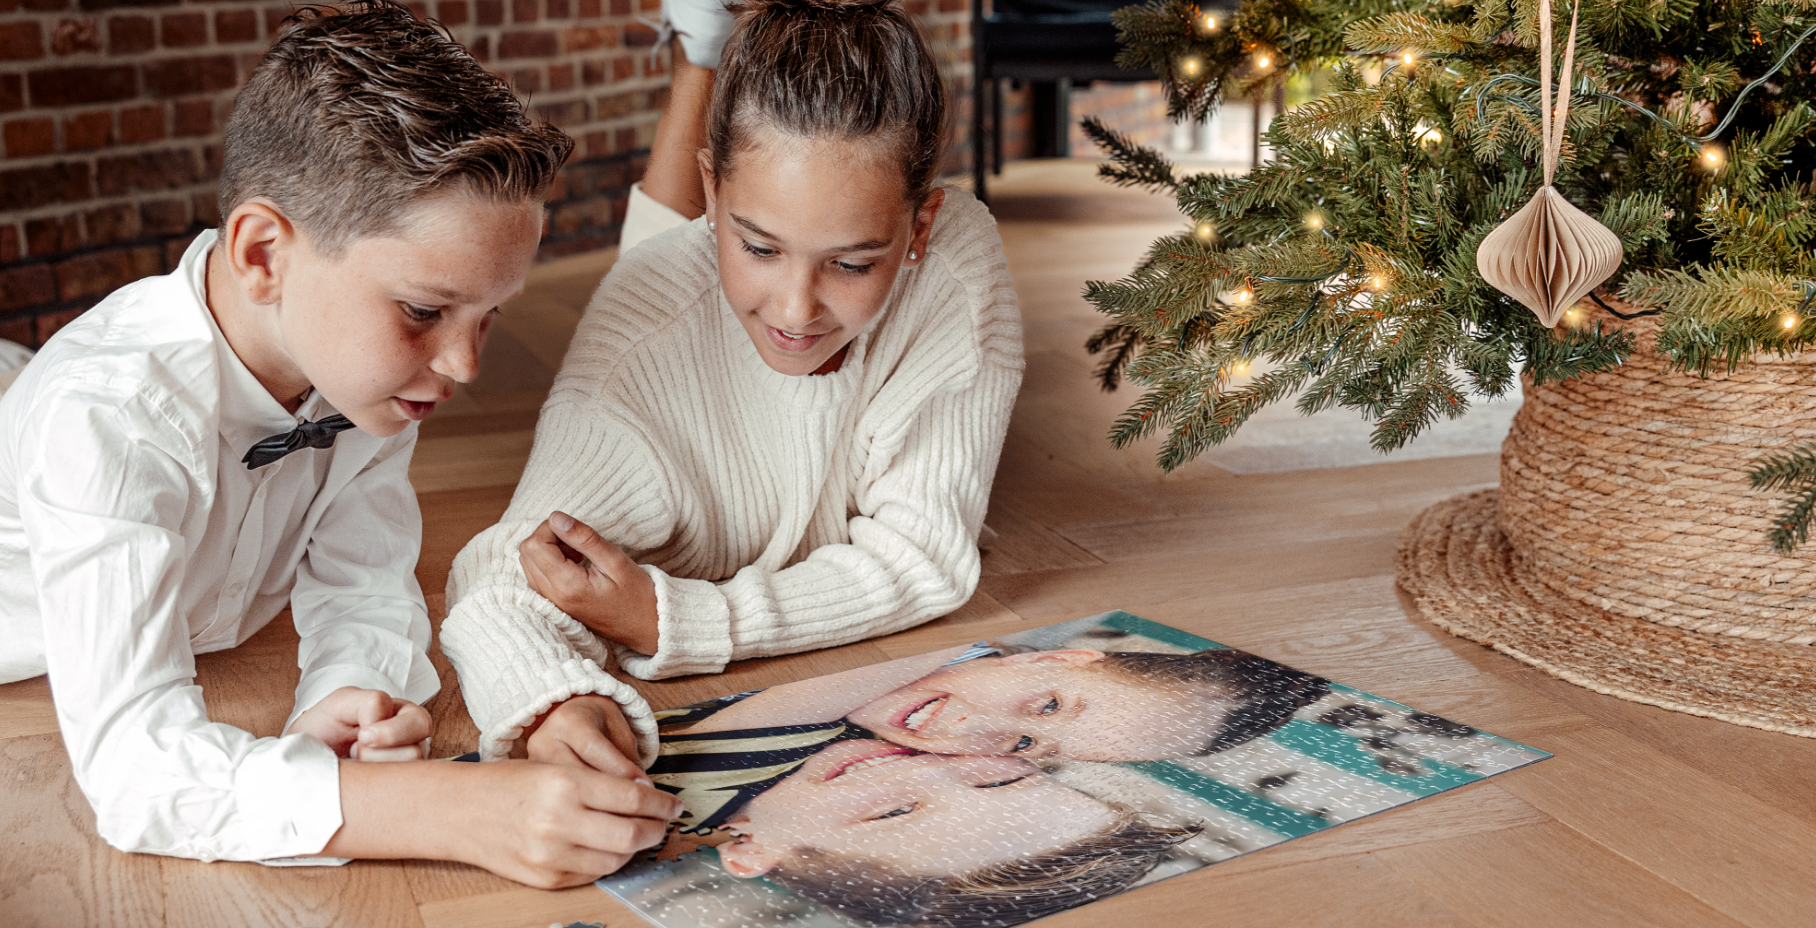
[1644,818]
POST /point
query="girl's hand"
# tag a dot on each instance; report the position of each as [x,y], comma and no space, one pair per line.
[586,731]
[367,725]
[589,578]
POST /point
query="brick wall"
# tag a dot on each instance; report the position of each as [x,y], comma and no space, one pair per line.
[1139,110]
[111,114]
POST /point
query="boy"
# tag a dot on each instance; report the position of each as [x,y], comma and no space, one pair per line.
[203,447]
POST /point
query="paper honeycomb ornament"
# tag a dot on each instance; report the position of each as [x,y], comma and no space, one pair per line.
[1550,254]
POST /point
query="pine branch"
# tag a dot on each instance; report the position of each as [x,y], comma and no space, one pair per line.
[1793,470]
[1131,165]
[1123,342]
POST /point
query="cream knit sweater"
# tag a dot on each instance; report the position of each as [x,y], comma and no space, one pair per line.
[775,514]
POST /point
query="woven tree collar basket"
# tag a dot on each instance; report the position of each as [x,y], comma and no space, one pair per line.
[1625,551]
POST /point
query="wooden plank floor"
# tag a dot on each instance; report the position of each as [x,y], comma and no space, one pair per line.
[1644,818]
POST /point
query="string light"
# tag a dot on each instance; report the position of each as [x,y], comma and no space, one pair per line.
[1713,157]
[1205,232]
[1378,282]
[1407,59]
[1242,296]
[1314,221]
[1262,60]
[1191,65]
[1790,321]
[1431,138]
[1208,22]
[1573,317]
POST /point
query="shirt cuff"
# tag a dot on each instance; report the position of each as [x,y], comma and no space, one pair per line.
[693,630]
[644,218]
[290,793]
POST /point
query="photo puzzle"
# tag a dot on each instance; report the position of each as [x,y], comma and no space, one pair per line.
[992,784]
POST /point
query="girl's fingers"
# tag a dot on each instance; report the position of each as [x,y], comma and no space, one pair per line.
[627,799]
[370,754]
[372,707]
[604,556]
[409,725]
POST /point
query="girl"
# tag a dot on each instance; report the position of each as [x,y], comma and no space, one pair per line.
[781,418]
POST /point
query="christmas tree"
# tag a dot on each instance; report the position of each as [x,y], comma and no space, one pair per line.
[1344,268]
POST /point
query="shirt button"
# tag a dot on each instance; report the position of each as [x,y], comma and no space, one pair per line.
[232,590]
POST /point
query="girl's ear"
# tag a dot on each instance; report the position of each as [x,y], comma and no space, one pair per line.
[923,226]
[257,236]
[746,859]
[707,181]
[1077,657]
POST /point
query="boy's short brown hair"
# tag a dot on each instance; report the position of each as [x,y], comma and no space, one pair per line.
[354,115]
[1008,893]
[1267,694]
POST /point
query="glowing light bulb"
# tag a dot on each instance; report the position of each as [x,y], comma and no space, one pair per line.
[1713,157]
[1378,282]
[1263,61]
[1790,321]
[1191,65]
[1240,367]
[1208,22]
[1407,59]
[1244,295]
[1205,232]
[1431,137]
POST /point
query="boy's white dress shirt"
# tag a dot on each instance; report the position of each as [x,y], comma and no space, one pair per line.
[132,538]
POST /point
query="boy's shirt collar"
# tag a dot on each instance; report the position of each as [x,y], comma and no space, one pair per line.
[249,413]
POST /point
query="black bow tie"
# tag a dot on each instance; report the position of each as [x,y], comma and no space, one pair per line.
[318,434]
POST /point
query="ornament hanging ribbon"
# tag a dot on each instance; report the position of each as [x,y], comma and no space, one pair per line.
[1550,254]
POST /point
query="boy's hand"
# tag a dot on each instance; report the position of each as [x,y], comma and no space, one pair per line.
[565,826]
[367,725]
[586,731]
[590,579]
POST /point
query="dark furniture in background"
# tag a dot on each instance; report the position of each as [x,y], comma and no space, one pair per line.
[1049,43]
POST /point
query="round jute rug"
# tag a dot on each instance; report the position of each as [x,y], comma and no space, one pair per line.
[1625,551]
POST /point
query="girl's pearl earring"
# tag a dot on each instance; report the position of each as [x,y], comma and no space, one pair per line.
[913,257]
[712,226]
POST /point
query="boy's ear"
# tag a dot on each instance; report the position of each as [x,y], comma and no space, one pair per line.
[256,236]
[746,859]
[1077,657]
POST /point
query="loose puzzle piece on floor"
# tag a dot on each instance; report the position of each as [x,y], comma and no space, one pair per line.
[986,786]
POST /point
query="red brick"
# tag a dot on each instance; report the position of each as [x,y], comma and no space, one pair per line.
[184,30]
[110,224]
[623,68]
[624,139]
[18,330]
[561,77]
[524,11]
[592,72]
[127,35]
[77,86]
[540,44]
[206,208]
[156,170]
[639,35]
[560,9]
[32,285]
[621,7]
[211,162]
[52,236]
[111,4]
[75,36]
[45,326]
[597,144]
[194,117]
[88,132]
[418,10]
[45,6]
[9,244]
[140,124]
[481,48]
[488,12]
[12,93]
[274,19]
[590,9]
[570,113]
[25,188]
[236,26]
[28,137]
[527,81]
[21,41]
[164,217]
[587,38]
[451,12]
[174,248]
[104,272]
[175,77]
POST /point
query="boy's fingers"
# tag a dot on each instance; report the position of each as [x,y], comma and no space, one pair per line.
[603,793]
[599,753]
[410,724]
[371,754]
[374,706]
